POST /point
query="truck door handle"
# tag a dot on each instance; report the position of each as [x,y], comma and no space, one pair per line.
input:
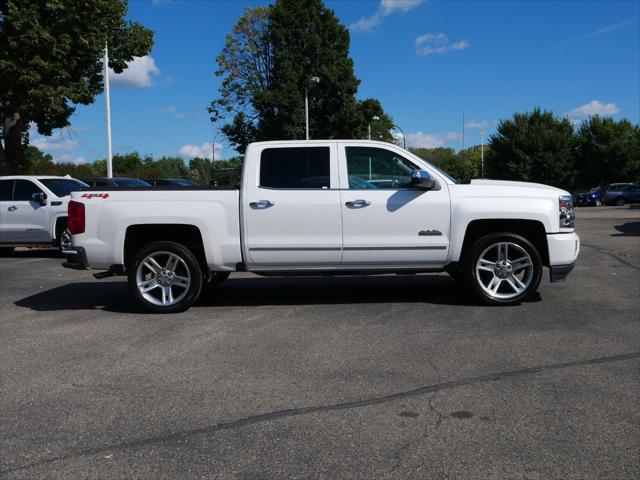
[12,208]
[358,204]
[261,204]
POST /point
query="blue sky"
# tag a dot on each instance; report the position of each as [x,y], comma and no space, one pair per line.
[426,61]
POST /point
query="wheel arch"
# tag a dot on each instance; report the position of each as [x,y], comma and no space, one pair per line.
[532,230]
[136,236]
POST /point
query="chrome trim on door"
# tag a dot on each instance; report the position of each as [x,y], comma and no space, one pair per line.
[427,247]
[294,249]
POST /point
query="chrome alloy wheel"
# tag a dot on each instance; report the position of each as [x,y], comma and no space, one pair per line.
[163,278]
[504,270]
[65,239]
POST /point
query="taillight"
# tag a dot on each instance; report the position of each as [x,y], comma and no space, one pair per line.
[75,220]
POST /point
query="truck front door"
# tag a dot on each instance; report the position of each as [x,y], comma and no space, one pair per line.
[385,220]
[291,206]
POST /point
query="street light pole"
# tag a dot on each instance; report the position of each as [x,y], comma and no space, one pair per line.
[306,104]
[375,117]
[107,103]
[404,137]
[482,154]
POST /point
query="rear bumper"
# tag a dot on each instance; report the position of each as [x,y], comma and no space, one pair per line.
[76,259]
[559,272]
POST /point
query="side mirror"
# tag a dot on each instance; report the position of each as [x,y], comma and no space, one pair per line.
[40,198]
[421,179]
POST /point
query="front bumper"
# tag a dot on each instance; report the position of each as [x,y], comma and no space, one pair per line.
[77,259]
[563,253]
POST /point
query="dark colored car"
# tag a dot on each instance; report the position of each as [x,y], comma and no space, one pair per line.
[610,193]
[588,199]
[171,182]
[115,182]
[630,195]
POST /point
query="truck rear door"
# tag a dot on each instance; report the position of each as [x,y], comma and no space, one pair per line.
[291,205]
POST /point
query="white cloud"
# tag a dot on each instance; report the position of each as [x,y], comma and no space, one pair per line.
[390,6]
[171,111]
[203,151]
[438,43]
[387,7]
[477,124]
[426,140]
[594,107]
[139,73]
[56,143]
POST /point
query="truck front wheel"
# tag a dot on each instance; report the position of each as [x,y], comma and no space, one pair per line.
[503,268]
[165,277]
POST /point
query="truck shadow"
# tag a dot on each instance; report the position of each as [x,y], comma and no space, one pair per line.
[252,291]
[629,229]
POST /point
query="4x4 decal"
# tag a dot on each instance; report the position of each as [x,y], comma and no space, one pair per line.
[94,195]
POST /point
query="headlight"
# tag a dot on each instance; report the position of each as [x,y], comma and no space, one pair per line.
[567,214]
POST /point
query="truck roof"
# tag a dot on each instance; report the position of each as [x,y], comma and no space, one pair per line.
[316,141]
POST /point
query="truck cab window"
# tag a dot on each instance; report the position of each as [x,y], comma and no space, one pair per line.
[370,168]
[297,168]
[24,190]
[6,190]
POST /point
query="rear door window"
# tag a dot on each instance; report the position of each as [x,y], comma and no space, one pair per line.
[6,190]
[295,168]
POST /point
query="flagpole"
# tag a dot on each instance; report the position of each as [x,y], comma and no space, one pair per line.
[107,103]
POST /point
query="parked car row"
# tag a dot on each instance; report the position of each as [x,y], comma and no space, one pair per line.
[33,209]
[617,194]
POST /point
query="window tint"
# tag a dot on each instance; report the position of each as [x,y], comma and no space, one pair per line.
[101,183]
[62,187]
[302,167]
[24,189]
[6,189]
[130,182]
[369,167]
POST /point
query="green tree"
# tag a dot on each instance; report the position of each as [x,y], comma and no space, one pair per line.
[380,128]
[50,61]
[607,151]
[267,63]
[532,147]
[127,164]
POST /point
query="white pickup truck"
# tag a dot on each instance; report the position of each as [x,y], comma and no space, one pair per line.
[326,207]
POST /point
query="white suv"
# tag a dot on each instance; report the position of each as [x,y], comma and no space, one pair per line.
[33,210]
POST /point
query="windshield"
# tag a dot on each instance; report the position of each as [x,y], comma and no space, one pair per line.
[184,183]
[444,173]
[130,182]
[62,187]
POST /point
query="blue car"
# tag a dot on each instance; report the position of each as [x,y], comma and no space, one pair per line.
[588,199]
[630,195]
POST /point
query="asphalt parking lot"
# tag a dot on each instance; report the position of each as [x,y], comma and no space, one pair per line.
[354,377]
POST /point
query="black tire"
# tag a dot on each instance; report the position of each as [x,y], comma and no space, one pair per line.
[619,202]
[63,236]
[476,279]
[188,267]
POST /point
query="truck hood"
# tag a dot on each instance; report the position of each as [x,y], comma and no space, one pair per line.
[509,183]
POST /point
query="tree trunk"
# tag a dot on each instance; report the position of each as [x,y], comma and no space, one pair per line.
[12,153]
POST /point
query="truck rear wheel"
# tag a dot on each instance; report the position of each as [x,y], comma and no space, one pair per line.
[503,268]
[165,277]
